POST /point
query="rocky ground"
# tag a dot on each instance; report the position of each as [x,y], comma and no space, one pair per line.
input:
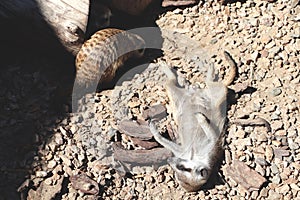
[73,155]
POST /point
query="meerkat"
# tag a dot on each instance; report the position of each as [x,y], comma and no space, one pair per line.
[101,56]
[200,116]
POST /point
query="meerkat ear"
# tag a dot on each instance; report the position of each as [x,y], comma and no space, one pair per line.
[141,51]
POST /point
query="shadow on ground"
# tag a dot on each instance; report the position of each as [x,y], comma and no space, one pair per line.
[34,71]
[36,79]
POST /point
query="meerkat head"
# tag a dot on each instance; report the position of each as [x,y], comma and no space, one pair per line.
[131,43]
[140,52]
[139,44]
[190,175]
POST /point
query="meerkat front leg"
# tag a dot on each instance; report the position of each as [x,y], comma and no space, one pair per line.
[174,92]
[175,148]
[207,128]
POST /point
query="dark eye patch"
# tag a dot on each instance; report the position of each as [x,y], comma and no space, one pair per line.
[141,51]
[203,172]
[183,168]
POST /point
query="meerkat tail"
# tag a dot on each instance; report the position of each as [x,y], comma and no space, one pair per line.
[166,69]
[232,71]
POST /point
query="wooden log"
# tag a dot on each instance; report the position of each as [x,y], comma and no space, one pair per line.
[64,19]
[68,19]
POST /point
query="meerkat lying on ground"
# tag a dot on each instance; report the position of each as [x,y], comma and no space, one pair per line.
[200,115]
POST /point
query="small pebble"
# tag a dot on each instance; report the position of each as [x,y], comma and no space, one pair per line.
[274,169]
[294,146]
[276,179]
[51,164]
[41,174]
[261,161]
[276,91]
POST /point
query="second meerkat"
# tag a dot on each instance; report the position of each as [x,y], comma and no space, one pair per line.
[104,53]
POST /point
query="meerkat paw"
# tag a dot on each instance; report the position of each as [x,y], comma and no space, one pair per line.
[153,129]
[206,126]
[201,118]
[167,71]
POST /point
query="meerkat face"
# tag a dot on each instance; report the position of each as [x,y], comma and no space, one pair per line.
[140,52]
[140,45]
[190,175]
[137,43]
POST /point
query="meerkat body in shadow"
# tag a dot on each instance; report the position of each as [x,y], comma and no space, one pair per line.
[200,116]
[103,54]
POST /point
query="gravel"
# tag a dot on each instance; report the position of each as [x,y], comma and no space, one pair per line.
[264,40]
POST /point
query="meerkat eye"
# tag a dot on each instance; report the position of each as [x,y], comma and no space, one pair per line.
[203,172]
[141,51]
[183,168]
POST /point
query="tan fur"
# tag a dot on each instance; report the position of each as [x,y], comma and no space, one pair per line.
[106,51]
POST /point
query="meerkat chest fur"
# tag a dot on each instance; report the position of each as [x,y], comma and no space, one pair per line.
[193,139]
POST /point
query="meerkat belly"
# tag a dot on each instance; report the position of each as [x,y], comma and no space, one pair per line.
[191,131]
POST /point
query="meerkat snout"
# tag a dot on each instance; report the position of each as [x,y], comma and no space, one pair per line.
[191,176]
